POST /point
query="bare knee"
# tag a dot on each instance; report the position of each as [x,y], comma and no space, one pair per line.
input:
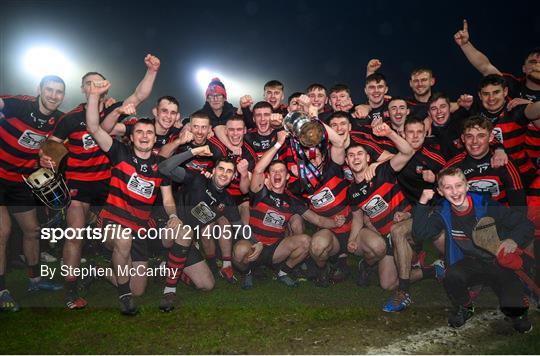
[240,251]
[318,245]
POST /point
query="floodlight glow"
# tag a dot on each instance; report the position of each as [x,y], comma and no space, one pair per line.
[204,77]
[41,61]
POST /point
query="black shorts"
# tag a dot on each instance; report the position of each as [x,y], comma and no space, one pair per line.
[94,193]
[343,240]
[266,256]
[17,196]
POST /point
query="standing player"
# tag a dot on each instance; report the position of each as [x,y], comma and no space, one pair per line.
[88,169]
[25,124]
[133,190]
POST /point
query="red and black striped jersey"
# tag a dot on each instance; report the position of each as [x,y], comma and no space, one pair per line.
[417,108]
[199,164]
[270,212]
[23,128]
[532,144]
[133,187]
[509,129]
[503,183]
[85,160]
[260,143]
[518,89]
[330,196]
[251,157]
[533,200]
[379,199]
[410,177]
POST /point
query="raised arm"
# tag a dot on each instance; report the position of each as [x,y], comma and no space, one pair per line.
[532,112]
[103,139]
[475,57]
[373,65]
[143,90]
[337,151]
[171,167]
[257,177]
[405,151]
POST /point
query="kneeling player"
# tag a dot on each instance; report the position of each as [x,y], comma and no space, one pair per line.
[203,201]
[271,209]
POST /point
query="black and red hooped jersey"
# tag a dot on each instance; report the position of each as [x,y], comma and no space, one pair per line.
[372,148]
[85,160]
[410,176]
[330,196]
[270,212]
[260,143]
[533,200]
[509,129]
[23,129]
[251,157]
[503,183]
[379,199]
[134,186]
[199,164]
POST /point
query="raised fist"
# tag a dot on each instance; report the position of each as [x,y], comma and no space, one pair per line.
[382,130]
[99,87]
[276,120]
[127,109]
[246,101]
[152,62]
[373,65]
[242,167]
[202,151]
[465,101]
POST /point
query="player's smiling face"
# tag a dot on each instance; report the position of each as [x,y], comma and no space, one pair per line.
[476,141]
[235,131]
[143,137]
[52,95]
[200,127]
[531,68]
[421,83]
[273,95]
[398,111]
[454,188]
[415,133]
[262,117]
[166,114]
[341,125]
[223,174]
[439,111]
[357,159]
[493,97]
[375,91]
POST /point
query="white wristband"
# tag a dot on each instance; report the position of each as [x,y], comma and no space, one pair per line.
[173,216]
[278,145]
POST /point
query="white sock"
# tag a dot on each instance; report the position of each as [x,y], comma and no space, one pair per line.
[169,290]
[226,264]
[281,273]
[35,279]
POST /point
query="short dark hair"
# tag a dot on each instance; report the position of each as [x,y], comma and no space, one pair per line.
[413,120]
[51,78]
[339,114]
[262,105]
[436,96]
[236,117]
[92,73]
[315,86]
[394,98]
[534,51]
[200,115]
[339,87]
[296,94]
[274,162]
[169,98]
[144,121]
[376,77]
[226,159]
[355,144]
[492,79]
[477,120]
[274,84]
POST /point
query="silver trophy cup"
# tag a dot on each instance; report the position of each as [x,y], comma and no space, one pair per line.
[307,131]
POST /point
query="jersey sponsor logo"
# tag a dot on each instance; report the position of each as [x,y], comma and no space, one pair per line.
[323,198]
[273,219]
[196,166]
[361,191]
[497,131]
[140,186]
[485,185]
[347,173]
[31,140]
[203,213]
[419,169]
[375,206]
[88,141]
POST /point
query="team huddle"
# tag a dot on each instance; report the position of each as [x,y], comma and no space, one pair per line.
[236,190]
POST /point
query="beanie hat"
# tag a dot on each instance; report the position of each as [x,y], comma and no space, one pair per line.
[216,87]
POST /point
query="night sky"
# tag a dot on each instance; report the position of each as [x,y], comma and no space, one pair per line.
[297,42]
